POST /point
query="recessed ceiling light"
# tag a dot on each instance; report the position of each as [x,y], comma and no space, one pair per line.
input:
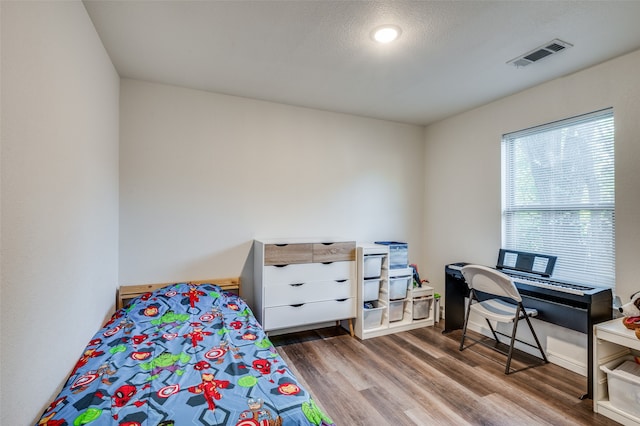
[386,33]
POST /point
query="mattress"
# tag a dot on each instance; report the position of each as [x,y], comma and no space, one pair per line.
[183,355]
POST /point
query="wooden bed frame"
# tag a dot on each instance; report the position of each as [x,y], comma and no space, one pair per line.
[128,292]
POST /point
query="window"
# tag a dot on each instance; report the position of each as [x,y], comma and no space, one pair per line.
[558,195]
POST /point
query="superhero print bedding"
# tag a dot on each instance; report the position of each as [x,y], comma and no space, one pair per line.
[182,355]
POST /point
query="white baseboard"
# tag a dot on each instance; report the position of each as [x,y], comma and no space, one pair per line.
[569,353]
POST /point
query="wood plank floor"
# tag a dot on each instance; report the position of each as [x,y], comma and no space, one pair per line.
[419,377]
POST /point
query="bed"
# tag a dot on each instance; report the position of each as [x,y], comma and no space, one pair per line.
[182,354]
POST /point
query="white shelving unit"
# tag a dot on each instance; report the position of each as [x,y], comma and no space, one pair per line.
[613,342]
[394,310]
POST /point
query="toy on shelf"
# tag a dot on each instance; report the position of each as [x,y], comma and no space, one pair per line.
[417,282]
[631,312]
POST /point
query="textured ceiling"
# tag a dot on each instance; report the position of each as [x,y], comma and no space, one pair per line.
[451,55]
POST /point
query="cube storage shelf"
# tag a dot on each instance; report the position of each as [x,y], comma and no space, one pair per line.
[388,303]
[613,345]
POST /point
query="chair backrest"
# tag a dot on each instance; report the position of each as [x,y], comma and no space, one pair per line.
[491,281]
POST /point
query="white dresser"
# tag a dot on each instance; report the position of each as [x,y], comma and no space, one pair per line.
[298,283]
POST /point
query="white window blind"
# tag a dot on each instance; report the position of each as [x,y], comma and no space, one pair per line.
[559,198]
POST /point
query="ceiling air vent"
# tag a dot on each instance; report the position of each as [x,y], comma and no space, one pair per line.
[548,49]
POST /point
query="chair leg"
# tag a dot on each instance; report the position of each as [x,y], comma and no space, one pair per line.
[493,331]
[466,320]
[507,369]
[535,336]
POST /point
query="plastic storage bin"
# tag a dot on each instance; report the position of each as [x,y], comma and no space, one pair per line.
[371,289]
[398,287]
[624,386]
[372,266]
[398,253]
[372,315]
[421,307]
[396,310]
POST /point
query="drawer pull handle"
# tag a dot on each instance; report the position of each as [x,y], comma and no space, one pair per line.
[281,266]
[296,284]
[341,300]
[341,281]
[297,305]
[281,245]
[327,263]
[327,244]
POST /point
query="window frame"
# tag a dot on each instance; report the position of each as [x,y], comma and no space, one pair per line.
[585,211]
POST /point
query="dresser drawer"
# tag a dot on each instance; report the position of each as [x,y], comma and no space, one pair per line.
[285,254]
[308,313]
[304,273]
[334,252]
[316,291]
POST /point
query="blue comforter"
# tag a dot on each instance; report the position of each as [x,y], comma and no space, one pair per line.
[182,355]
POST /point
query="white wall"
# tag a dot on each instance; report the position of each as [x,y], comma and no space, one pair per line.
[59,198]
[203,174]
[462,163]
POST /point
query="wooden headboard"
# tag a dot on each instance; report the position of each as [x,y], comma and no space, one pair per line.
[128,292]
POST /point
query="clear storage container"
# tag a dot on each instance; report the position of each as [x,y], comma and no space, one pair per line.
[398,287]
[372,266]
[398,253]
[371,289]
[396,310]
[422,307]
[624,385]
[372,315]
